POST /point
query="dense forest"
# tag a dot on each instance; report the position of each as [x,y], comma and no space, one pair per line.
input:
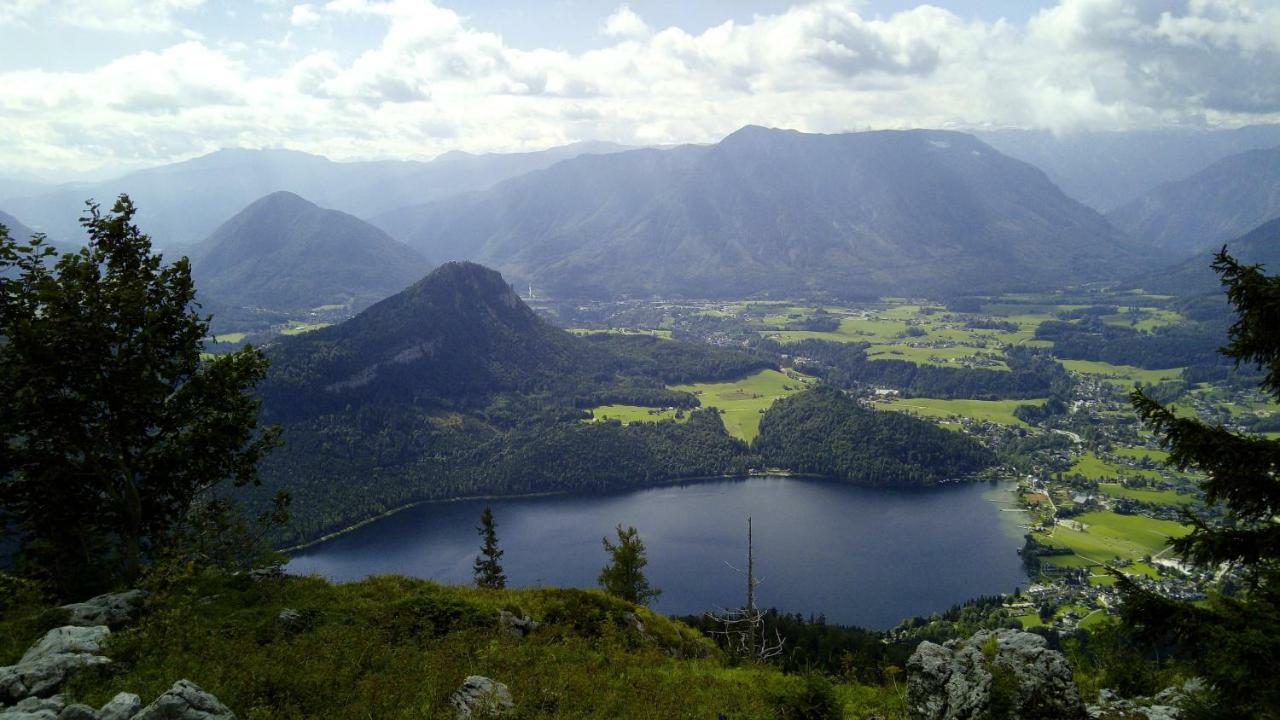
[1031,373]
[825,432]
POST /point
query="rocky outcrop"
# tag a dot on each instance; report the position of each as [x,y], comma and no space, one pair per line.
[48,663]
[111,609]
[515,625]
[35,708]
[121,707]
[998,673]
[1164,705]
[480,697]
[185,701]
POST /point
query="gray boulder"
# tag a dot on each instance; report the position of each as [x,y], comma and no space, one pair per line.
[121,707]
[111,609]
[967,680]
[51,661]
[290,621]
[516,626]
[480,697]
[35,709]
[78,712]
[185,701]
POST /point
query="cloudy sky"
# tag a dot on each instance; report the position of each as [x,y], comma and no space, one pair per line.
[94,86]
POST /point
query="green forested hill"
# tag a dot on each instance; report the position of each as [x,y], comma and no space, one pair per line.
[823,431]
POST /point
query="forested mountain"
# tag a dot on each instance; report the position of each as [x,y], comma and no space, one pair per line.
[283,252]
[183,202]
[777,211]
[1106,169]
[1221,202]
[1195,276]
[17,230]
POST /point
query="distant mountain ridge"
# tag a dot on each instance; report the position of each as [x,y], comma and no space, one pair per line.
[777,211]
[1195,276]
[17,230]
[286,253]
[181,203]
[1107,169]
[1221,202]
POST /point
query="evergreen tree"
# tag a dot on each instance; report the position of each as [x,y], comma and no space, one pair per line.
[1233,641]
[112,424]
[488,569]
[623,576]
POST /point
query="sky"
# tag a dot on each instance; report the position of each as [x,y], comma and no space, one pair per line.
[89,87]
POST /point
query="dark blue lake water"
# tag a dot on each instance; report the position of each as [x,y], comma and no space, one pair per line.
[860,556]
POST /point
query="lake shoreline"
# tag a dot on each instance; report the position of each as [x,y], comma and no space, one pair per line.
[771,472]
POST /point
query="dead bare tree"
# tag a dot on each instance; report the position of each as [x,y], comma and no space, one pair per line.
[742,630]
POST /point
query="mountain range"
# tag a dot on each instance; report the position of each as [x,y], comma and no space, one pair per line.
[17,230]
[181,203]
[1195,277]
[1217,204]
[777,211]
[286,253]
[1105,170]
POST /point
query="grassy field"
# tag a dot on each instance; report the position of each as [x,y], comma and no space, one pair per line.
[297,328]
[1158,497]
[395,647]
[1155,454]
[234,337]
[1109,536]
[1095,468]
[996,411]
[742,402]
[1125,375]
[628,414]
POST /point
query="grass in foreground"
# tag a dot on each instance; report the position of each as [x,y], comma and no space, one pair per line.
[395,647]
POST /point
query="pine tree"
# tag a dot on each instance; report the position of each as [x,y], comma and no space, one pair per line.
[623,576]
[488,569]
[1233,642]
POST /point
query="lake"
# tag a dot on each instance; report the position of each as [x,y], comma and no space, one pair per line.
[860,556]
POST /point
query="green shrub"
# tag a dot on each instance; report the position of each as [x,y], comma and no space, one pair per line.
[813,698]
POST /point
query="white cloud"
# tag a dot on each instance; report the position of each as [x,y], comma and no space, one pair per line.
[625,23]
[304,15]
[433,82]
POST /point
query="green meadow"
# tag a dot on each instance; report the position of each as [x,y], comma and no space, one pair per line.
[1125,375]
[742,402]
[1146,495]
[1108,536]
[996,411]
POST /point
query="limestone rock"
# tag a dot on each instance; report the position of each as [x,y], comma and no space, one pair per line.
[290,621]
[121,707]
[34,709]
[515,625]
[958,681]
[185,701]
[480,697]
[51,661]
[78,712]
[111,609]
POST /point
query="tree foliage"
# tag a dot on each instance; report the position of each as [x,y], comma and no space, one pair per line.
[488,565]
[113,423]
[623,575]
[1232,642]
